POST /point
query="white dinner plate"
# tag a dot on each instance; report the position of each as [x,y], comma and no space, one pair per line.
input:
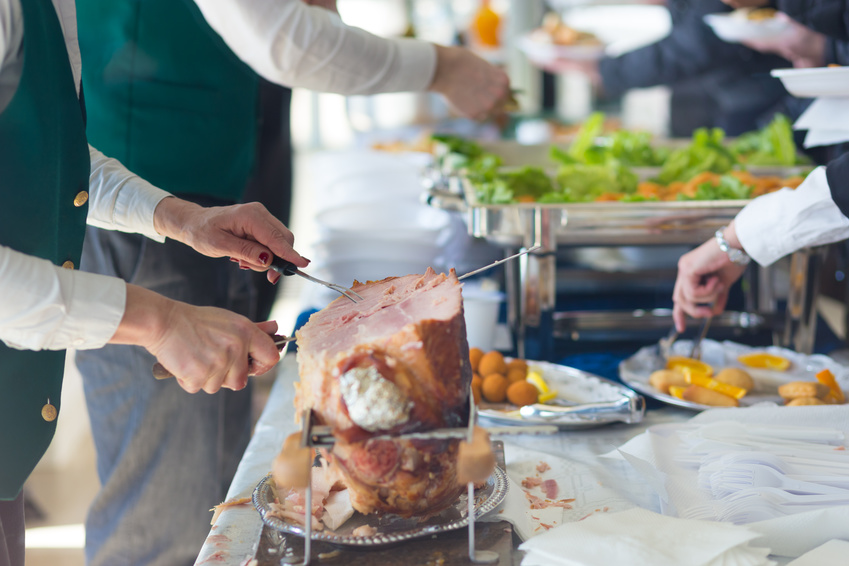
[635,371]
[816,81]
[545,52]
[735,29]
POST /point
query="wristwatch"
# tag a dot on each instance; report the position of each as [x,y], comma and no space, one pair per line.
[735,255]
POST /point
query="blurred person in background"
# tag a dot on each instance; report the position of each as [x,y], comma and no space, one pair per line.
[202,117]
[775,225]
[713,83]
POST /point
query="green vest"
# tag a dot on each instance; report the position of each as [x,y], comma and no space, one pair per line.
[167,97]
[44,167]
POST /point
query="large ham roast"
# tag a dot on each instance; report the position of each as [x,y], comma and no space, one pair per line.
[396,362]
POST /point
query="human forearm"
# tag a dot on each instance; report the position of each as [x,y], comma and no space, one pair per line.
[47,307]
[120,200]
[777,224]
[297,45]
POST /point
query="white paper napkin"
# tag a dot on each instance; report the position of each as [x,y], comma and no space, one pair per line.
[657,454]
[826,120]
[575,481]
[832,553]
[639,537]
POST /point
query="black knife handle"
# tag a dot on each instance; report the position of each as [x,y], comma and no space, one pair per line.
[283,267]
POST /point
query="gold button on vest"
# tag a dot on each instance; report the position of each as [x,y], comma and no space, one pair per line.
[68,264]
[48,413]
[81,198]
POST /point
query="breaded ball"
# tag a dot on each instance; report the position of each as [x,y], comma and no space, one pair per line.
[475,355]
[517,363]
[492,362]
[494,388]
[803,389]
[801,401]
[477,385]
[515,374]
[736,377]
[522,393]
[663,379]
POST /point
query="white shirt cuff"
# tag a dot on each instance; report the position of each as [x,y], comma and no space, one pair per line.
[780,223]
[54,308]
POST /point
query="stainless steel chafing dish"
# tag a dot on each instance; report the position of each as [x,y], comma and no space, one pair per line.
[531,281]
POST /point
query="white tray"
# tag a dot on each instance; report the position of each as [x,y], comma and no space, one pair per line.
[635,371]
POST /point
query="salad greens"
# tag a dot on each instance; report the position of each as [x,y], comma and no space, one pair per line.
[728,188]
[772,145]
[599,165]
[705,153]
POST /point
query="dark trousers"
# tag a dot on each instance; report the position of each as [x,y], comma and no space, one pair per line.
[12,532]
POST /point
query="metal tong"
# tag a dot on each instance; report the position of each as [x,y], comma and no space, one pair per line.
[286,268]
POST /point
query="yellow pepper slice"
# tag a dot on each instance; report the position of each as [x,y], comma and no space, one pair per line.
[696,366]
[709,383]
[827,378]
[677,391]
[764,360]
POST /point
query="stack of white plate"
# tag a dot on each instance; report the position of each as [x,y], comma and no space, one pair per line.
[373,225]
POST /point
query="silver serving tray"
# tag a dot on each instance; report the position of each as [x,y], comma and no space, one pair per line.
[597,223]
[390,528]
[635,370]
[584,400]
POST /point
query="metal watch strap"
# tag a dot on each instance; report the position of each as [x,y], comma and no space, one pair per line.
[737,256]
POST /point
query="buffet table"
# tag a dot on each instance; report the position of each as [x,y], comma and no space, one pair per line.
[235,538]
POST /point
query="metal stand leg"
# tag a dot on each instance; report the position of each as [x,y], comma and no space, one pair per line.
[800,327]
[477,556]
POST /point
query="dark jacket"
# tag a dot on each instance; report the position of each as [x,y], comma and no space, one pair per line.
[731,81]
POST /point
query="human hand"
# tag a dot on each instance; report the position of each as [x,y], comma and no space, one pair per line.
[247,233]
[474,87]
[326,4]
[705,276]
[798,44]
[206,348]
[746,3]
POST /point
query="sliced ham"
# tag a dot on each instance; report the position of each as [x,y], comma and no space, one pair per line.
[396,362]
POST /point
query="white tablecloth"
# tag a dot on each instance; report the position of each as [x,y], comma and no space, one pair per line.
[233,540]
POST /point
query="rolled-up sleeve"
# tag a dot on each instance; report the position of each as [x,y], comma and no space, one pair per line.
[296,45]
[121,200]
[777,224]
[47,307]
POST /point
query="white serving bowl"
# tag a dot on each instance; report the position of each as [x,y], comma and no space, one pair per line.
[394,184]
[345,271]
[337,249]
[384,220]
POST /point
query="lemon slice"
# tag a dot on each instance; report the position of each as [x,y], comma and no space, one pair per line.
[764,360]
[546,397]
[536,379]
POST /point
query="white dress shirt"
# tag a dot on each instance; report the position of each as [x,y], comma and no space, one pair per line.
[294,44]
[44,306]
[777,224]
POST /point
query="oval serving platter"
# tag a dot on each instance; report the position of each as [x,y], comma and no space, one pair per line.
[636,370]
[590,401]
[390,528]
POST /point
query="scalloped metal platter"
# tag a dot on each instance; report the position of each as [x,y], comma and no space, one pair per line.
[390,528]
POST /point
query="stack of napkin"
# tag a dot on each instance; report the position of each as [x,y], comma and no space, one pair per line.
[827,122]
[640,537]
